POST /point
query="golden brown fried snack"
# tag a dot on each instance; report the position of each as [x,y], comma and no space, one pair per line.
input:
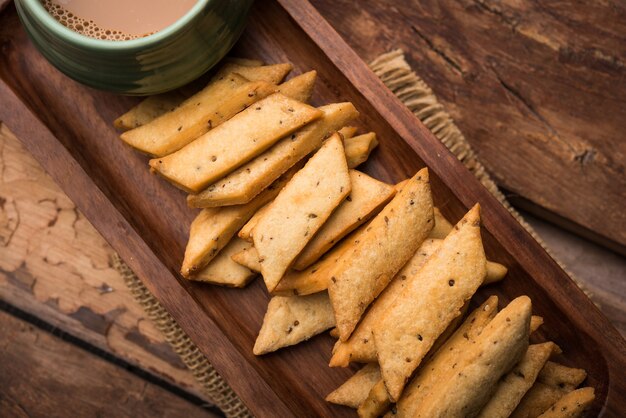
[443,361]
[247,181]
[233,143]
[465,389]
[356,389]
[366,198]
[293,319]
[514,385]
[385,246]
[572,405]
[222,270]
[300,209]
[425,307]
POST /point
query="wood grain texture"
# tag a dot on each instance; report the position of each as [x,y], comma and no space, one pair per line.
[537,88]
[44,376]
[146,220]
[56,266]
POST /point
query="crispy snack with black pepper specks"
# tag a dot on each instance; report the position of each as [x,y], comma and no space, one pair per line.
[467,386]
[442,226]
[214,227]
[366,198]
[250,179]
[358,148]
[355,390]
[293,319]
[388,242]
[376,403]
[149,109]
[199,114]
[246,232]
[514,385]
[233,143]
[315,278]
[154,106]
[425,307]
[444,359]
[222,270]
[495,271]
[360,346]
[300,87]
[572,405]
[300,210]
[248,257]
[274,73]
[554,381]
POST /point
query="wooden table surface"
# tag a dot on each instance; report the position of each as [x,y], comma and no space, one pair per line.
[72,331]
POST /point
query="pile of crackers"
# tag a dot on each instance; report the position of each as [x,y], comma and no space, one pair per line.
[376,263]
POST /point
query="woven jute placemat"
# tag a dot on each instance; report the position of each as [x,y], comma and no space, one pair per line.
[398,76]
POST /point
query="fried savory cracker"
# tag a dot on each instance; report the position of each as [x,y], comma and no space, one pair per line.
[300,87]
[155,106]
[385,246]
[300,209]
[347,132]
[214,227]
[447,333]
[355,390]
[248,257]
[571,405]
[554,381]
[197,115]
[466,387]
[292,319]
[427,304]
[376,403]
[222,270]
[555,374]
[248,180]
[358,148]
[246,232]
[366,198]
[514,385]
[360,346]
[400,185]
[443,361]
[149,109]
[442,226]
[535,322]
[273,74]
[495,271]
[233,143]
[315,278]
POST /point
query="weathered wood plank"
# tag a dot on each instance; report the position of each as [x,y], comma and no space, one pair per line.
[537,88]
[56,266]
[44,376]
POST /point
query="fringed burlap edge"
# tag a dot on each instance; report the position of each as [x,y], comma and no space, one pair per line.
[398,76]
[215,387]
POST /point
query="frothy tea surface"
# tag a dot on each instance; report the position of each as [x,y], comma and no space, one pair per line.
[117,20]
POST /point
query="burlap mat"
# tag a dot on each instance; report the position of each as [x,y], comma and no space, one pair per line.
[395,72]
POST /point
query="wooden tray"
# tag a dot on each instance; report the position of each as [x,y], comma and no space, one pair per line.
[68,128]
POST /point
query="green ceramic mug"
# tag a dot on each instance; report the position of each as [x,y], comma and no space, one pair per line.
[153,64]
